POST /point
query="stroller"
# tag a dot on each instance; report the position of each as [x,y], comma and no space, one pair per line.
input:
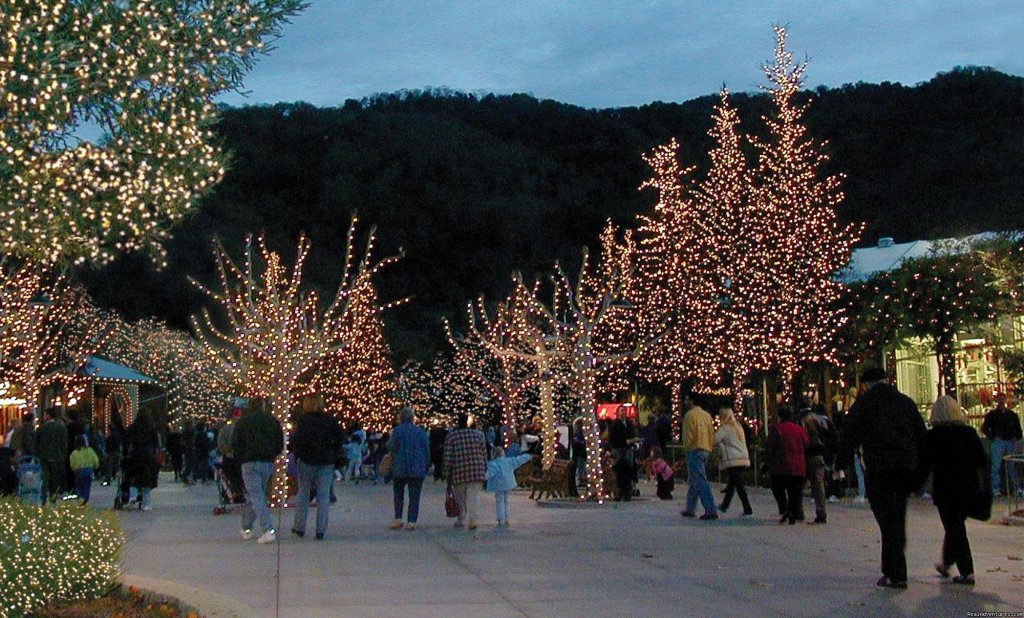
[30,480]
[230,487]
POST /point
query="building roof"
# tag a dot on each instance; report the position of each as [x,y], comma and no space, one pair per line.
[887,255]
[108,371]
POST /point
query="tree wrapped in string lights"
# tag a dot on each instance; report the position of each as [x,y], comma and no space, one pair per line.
[196,388]
[44,338]
[275,331]
[575,349]
[744,262]
[532,336]
[678,281]
[358,380]
[506,379]
[145,74]
[800,247]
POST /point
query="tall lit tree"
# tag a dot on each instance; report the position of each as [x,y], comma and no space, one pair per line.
[358,380]
[678,284]
[145,73]
[791,299]
[276,332]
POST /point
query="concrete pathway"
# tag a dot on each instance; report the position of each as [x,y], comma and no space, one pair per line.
[634,559]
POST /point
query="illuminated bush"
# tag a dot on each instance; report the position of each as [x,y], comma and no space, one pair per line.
[66,551]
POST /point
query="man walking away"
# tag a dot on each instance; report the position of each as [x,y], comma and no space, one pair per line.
[1002,427]
[52,447]
[888,427]
[257,441]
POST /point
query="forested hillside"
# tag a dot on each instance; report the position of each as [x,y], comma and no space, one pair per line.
[474,187]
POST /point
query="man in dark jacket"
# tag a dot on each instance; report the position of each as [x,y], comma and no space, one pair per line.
[317,444]
[1002,427]
[888,427]
[257,441]
[23,440]
[52,448]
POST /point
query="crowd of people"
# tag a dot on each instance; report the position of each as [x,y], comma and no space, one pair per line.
[71,453]
[883,438]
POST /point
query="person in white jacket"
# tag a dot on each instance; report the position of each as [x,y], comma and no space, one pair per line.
[731,445]
[501,479]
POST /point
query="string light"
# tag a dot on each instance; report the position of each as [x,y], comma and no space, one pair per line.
[47,332]
[276,334]
[146,73]
[742,265]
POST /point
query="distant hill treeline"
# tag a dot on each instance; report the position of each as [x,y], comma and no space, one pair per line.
[474,187]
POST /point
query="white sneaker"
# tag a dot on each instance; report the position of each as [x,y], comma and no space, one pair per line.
[832,499]
[268,537]
[147,508]
[860,500]
[246,534]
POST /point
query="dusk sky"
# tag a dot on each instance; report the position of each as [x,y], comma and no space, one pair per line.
[610,54]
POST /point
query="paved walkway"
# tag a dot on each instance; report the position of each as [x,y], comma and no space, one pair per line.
[635,559]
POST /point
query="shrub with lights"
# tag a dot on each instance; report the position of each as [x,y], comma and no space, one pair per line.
[64,551]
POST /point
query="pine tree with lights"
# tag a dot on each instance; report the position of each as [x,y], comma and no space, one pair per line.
[146,73]
[724,201]
[276,331]
[679,282]
[799,245]
[358,380]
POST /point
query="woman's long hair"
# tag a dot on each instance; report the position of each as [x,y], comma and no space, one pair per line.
[728,418]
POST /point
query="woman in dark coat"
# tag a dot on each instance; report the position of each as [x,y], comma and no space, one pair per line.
[140,465]
[954,453]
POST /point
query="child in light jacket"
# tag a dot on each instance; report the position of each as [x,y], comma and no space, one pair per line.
[83,461]
[501,479]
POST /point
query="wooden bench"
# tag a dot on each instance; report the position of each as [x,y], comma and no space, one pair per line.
[525,471]
[552,481]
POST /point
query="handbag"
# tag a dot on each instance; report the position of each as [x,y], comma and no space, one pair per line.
[980,506]
[386,463]
[451,505]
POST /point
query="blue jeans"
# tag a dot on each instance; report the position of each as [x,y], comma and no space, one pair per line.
[83,483]
[501,505]
[696,466]
[858,467]
[1000,449]
[256,475]
[322,476]
[415,484]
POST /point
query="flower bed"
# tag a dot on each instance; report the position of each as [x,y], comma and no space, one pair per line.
[123,602]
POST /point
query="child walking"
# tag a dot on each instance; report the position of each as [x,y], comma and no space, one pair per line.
[83,461]
[354,455]
[501,479]
[663,474]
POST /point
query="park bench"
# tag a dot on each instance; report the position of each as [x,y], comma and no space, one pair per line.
[552,481]
[525,471]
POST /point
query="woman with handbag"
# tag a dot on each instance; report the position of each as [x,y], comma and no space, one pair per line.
[953,452]
[409,450]
[465,465]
